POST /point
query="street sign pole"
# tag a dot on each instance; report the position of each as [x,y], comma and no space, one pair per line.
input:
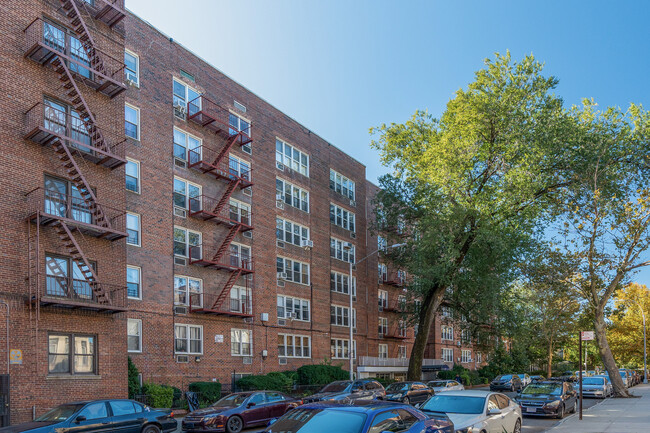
[580,370]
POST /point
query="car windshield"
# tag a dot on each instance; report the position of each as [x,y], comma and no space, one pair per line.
[521,376]
[395,387]
[504,377]
[233,400]
[319,421]
[438,383]
[454,404]
[623,374]
[336,387]
[592,381]
[543,388]
[59,413]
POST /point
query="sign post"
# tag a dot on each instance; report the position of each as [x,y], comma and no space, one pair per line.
[584,336]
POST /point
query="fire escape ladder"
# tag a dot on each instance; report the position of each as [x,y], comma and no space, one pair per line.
[78,256]
[80,28]
[226,243]
[225,292]
[33,264]
[226,148]
[225,199]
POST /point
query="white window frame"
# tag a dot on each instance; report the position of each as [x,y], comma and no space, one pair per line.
[282,301]
[240,162]
[446,311]
[283,351]
[338,316]
[346,218]
[382,351]
[401,328]
[233,333]
[245,299]
[447,354]
[382,272]
[186,193]
[339,281]
[186,145]
[289,161]
[242,208]
[292,227]
[338,180]
[340,348]
[188,339]
[137,67]
[137,177]
[383,324]
[139,269]
[296,194]
[382,243]
[139,229]
[479,357]
[186,96]
[382,296]
[188,292]
[137,125]
[465,356]
[401,352]
[447,332]
[338,252]
[187,241]
[291,274]
[139,335]
[246,148]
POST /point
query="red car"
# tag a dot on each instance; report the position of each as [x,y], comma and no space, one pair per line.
[238,411]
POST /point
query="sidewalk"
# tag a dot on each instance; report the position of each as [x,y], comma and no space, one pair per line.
[614,415]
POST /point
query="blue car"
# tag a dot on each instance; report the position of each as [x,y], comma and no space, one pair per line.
[359,417]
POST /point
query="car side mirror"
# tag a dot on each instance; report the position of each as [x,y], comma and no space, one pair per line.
[494,411]
[79,419]
[251,404]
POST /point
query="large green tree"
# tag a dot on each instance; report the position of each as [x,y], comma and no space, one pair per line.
[471,186]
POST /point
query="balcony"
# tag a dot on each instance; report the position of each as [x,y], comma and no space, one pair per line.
[374,361]
[216,118]
[53,206]
[228,261]
[393,334]
[43,42]
[208,160]
[110,12]
[45,124]
[393,279]
[76,294]
[208,304]
[391,307]
[204,208]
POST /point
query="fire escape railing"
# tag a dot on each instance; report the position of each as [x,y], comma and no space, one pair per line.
[212,303]
[206,208]
[210,160]
[228,261]
[210,115]
[84,291]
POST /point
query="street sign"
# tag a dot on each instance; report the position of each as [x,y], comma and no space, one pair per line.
[15,356]
[587,335]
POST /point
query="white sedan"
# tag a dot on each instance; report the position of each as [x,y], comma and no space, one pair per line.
[476,411]
[525,379]
[445,385]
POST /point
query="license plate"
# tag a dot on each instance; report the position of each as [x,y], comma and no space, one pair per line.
[189,425]
[531,409]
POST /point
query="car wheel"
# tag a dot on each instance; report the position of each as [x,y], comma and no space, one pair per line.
[560,412]
[517,428]
[512,388]
[575,407]
[234,424]
[406,400]
[151,429]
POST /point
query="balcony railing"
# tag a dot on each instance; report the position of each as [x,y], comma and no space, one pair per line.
[211,115]
[394,306]
[110,12]
[74,210]
[205,303]
[375,361]
[228,261]
[393,279]
[44,42]
[203,207]
[203,158]
[74,293]
[45,123]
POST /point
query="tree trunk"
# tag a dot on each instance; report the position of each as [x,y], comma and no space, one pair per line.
[549,368]
[427,313]
[606,355]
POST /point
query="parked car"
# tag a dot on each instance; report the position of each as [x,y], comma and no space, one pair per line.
[360,417]
[476,411]
[548,398]
[536,378]
[596,386]
[126,416]
[445,385]
[525,379]
[345,390]
[408,392]
[626,378]
[506,382]
[238,411]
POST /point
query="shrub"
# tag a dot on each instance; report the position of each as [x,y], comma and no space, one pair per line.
[160,396]
[274,381]
[446,374]
[134,380]
[208,392]
[385,382]
[291,374]
[320,374]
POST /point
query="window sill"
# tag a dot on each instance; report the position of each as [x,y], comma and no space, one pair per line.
[73,377]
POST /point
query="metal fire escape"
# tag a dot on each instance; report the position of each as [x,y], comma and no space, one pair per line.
[76,138]
[218,163]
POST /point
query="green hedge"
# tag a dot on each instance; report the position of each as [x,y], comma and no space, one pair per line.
[274,381]
[209,392]
[159,396]
[321,374]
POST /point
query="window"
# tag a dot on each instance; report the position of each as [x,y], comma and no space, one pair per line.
[342,184]
[401,352]
[240,212]
[383,327]
[291,232]
[134,335]
[63,273]
[122,407]
[401,328]
[188,339]
[132,121]
[465,335]
[339,348]
[289,307]
[401,302]
[382,272]
[72,354]
[341,217]
[184,191]
[382,245]
[479,357]
[466,355]
[64,120]
[448,355]
[241,342]
[132,67]
[187,243]
[447,332]
[62,198]
[383,298]
[132,174]
[133,229]
[188,291]
[237,124]
[383,351]
[240,300]
[239,168]
[182,96]
[67,43]
[240,256]
[294,346]
[186,146]
[339,251]
[292,195]
[297,272]
[340,316]
[133,282]
[291,157]
[95,411]
[340,283]
[446,312]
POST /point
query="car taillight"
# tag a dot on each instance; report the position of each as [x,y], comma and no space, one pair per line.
[171,414]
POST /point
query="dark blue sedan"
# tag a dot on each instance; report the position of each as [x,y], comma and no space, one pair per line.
[99,416]
[359,417]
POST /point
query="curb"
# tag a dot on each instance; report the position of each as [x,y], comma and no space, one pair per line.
[562,421]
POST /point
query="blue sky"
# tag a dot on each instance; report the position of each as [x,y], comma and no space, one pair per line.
[340,67]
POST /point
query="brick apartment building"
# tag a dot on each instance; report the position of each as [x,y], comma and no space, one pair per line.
[155,208]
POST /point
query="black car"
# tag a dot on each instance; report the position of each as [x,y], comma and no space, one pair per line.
[506,382]
[408,392]
[346,391]
[99,416]
[548,398]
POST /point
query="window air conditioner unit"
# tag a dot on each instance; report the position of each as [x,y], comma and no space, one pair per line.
[180,261]
[353,203]
[180,309]
[282,275]
[180,163]
[381,309]
[247,360]
[182,359]
[307,243]
[353,235]
[179,212]
[248,320]
[248,191]
[248,234]
[279,244]
[279,165]
[180,107]
[279,197]
[282,322]
[280,283]
[289,315]
[282,361]
[279,204]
